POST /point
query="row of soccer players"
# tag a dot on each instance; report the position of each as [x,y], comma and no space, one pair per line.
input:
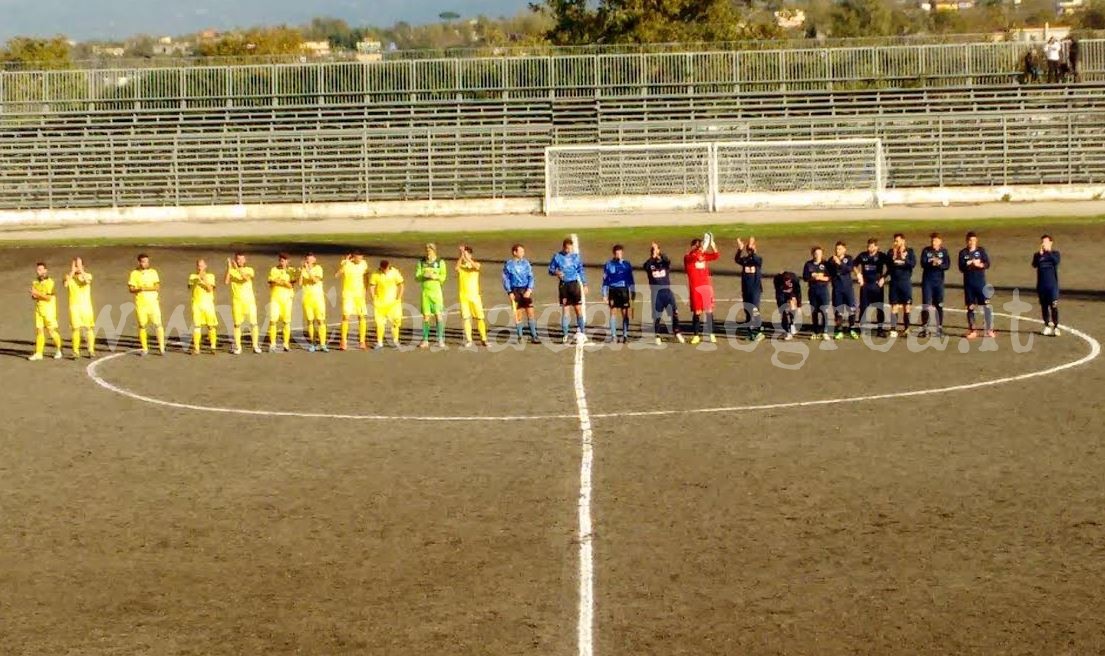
[830,284]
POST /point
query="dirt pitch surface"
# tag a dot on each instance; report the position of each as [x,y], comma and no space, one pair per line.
[964,522]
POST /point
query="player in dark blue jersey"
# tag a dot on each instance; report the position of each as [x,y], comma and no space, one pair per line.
[935,260]
[816,275]
[841,268]
[1046,263]
[871,272]
[658,269]
[751,269]
[974,262]
[901,261]
[788,296]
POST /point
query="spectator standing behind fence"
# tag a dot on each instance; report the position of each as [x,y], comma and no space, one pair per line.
[1052,51]
[1031,67]
[1073,56]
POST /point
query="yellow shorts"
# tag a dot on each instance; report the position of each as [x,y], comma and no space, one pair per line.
[148,312]
[205,315]
[280,310]
[46,318]
[82,316]
[392,311]
[244,312]
[471,307]
[354,306]
[314,309]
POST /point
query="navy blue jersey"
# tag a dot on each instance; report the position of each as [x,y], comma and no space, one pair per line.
[841,272]
[787,287]
[872,266]
[813,268]
[658,270]
[900,266]
[974,276]
[934,262]
[1047,270]
[751,267]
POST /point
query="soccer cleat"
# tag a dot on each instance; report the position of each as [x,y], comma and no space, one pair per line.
[236,351]
[363,346]
[679,338]
[939,333]
[893,334]
[76,355]
[713,339]
[143,353]
[469,344]
[441,343]
[1055,332]
[423,344]
[378,347]
[853,334]
[991,334]
[972,334]
[815,336]
[191,352]
[534,340]
[581,338]
[1047,331]
[923,333]
[273,348]
[659,340]
[35,357]
[696,340]
[787,337]
[310,348]
[324,348]
[838,335]
[483,343]
[758,337]
[257,349]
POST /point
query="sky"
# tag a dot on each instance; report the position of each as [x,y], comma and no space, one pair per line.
[116,19]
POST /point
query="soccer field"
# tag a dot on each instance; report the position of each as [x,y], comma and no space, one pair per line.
[772,498]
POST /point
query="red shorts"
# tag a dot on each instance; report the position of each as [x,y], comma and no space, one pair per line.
[702,299]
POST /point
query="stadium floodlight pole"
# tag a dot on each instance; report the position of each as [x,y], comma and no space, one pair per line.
[548,181]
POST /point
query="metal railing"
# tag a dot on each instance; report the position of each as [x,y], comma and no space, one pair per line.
[561,76]
[436,162]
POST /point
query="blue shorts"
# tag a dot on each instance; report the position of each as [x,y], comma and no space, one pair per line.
[932,293]
[751,293]
[844,297]
[976,295]
[819,296]
[662,300]
[901,293]
[871,296]
[1048,296]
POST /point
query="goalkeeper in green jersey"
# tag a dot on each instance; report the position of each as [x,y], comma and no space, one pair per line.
[430,274]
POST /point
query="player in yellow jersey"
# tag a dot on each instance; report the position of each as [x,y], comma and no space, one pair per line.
[82,318]
[243,302]
[386,287]
[282,279]
[201,284]
[352,271]
[314,302]
[145,284]
[471,303]
[46,312]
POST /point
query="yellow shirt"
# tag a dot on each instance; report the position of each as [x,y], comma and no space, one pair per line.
[80,291]
[310,278]
[280,293]
[45,287]
[241,285]
[468,283]
[202,297]
[386,286]
[352,277]
[142,278]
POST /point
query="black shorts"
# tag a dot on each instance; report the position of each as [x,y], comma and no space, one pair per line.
[1047,296]
[844,297]
[819,296]
[932,293]
[520,300]
[976,295]
[619,297]
[901,293]
[570,293]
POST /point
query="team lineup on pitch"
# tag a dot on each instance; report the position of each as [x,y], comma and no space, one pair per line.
[541,518]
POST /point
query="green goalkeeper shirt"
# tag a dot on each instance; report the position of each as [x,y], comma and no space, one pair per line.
[431,275]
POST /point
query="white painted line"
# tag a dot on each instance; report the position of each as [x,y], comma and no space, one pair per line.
[586,534]
[1095,351]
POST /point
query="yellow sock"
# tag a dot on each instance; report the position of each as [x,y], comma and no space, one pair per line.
[322,335]
[395,333]
[143,338]
[40,342]
[362,329]
[310,332]
[56,336]
[213,337]
[467,330]
[287,336]
[76,341]
[237,338]
[91,339]
[197,339]
[272,334]
[255,336]
[380,332]
[161,337]
[482,325]
[344,332]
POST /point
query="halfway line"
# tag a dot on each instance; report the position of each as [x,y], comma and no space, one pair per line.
[586,549]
